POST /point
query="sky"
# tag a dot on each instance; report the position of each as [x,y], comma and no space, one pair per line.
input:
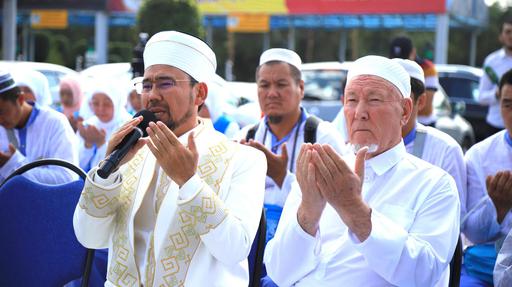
[503,3]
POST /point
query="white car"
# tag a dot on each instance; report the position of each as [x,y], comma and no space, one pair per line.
[53,72]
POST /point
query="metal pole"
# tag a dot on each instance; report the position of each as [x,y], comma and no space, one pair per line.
[472,49]
[101,37]
[9,30]
[442,31]
[291,38]
[266,41]
[209,35]
[342,52]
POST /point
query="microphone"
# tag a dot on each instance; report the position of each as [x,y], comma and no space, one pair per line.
[120,151]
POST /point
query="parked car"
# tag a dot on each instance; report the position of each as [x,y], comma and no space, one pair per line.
[461,85]
[53,72]
[325,83]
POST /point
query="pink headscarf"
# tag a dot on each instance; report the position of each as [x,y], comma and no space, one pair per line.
[74,86]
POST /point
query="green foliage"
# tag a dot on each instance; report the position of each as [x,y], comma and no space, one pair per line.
[160,15]
[42,46]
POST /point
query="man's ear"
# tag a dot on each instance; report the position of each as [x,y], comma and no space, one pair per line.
[301,87]
[407,110]
[20,99]
[422,101]
[202,93]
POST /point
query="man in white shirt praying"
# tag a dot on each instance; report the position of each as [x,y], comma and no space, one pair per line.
[428,143]
[489,204]
[385,218]
[29,132]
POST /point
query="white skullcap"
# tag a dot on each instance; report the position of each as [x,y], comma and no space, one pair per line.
[412,68]
[384,68]
[6,81]
[282,55]
[180,50]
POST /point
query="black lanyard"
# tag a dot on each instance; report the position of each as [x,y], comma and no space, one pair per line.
[292,162]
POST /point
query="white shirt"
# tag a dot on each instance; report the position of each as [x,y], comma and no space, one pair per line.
[48,135]
[326,134]
[415,227]
[443,151]
[486,158]
[500,62]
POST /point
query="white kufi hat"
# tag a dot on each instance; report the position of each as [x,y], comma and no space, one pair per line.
[183,51]
[412,68]
[282,55]
[384,68]
[6,81]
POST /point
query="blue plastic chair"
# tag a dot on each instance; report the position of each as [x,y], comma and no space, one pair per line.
[256,255]
[39,246]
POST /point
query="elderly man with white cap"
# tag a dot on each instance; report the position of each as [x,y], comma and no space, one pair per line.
[184,207]
[428,143]
[284,127]
[29,132]
[381,218]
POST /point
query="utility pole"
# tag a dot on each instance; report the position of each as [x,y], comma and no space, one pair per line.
[9,30]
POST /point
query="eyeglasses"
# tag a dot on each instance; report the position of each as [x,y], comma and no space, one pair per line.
[144,86]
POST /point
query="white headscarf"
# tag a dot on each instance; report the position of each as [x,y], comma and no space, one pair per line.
[115,92]
[35,81]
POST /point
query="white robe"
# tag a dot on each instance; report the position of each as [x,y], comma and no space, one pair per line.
[220,258]
[415,228]
[486,158]
[49,135]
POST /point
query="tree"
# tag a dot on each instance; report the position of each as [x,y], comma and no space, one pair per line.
[159,15]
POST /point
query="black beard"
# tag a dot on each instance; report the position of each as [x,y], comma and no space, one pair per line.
[275,119]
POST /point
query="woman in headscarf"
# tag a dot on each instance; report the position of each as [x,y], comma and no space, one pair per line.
[71,98]
[107,104]
[34,86]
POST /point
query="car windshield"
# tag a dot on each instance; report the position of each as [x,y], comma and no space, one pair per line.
[459,87]
[323,85]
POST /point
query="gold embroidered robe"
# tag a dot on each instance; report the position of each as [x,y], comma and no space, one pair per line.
[197,241]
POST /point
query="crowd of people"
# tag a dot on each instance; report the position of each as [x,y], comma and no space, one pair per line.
[382,204]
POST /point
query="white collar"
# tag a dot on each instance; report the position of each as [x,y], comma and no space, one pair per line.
[386,160]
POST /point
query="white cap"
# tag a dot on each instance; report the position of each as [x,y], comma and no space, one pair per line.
[6,81]
[384,68]
[412,68]
[183,51]
[282,55]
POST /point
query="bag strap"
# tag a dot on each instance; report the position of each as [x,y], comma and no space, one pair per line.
[419,142]
[251,133]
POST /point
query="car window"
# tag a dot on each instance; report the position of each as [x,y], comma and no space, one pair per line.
[460,87]
[323,84]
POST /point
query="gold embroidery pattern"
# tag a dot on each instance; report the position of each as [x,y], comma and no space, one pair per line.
[194,218]
[122,268]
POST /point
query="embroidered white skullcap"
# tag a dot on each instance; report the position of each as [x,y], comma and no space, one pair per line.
[282,55]
[412,68]
[6,81]
[384,68]
[183,51]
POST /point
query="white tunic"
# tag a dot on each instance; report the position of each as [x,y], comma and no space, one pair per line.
[220,259]
[48,135]
[415,227]
[500,62]
[486,158]
[443,151]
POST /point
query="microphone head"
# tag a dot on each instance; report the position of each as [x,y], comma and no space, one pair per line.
[147,118]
